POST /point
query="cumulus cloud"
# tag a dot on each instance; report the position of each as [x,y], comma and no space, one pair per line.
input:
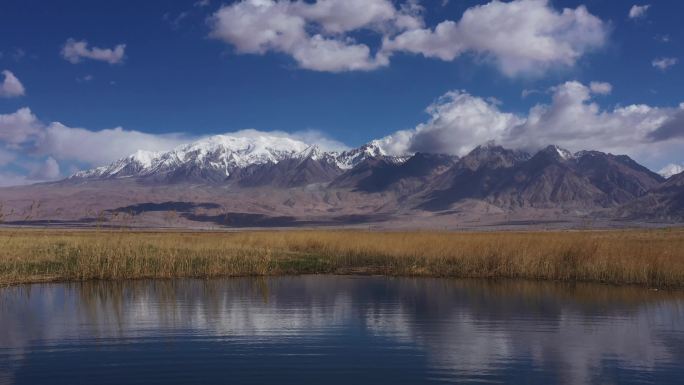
[11,86]
[75,51]
[574,121]
[521,36]
[664,63]
[673,127]
[19,127]
[638,11]
[337,16]
[457,121]
[259,26]
[460,121]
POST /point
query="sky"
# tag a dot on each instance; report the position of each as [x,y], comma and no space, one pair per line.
[83,83]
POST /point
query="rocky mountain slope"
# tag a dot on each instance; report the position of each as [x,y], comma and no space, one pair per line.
[665,201]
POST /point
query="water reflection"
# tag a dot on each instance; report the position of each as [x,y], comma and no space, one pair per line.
[339,330]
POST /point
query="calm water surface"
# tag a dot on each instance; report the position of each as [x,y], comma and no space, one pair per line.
[339,330]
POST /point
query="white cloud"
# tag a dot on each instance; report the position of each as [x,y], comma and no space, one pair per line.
[574,121]
[316,137]
[664,63]
[459,122]
[440,43]
[321,54]
[202,3]
[670,170]
[259,26]
[19,127]
[601,88]
[337,16]
[11,86]
[521,36]
[47,170]
[75,51]
[101,147]
[638,11]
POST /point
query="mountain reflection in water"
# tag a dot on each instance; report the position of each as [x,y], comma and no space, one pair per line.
[338,329]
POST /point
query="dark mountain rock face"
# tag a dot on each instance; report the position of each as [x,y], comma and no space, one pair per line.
[543,183]
[371,175]
[188,173]
[475,176]
[553,177]
[380,174]
[290,173]
[665,202]
[619,177]
[493,157]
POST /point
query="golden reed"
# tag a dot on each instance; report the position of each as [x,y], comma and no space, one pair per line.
[653,258]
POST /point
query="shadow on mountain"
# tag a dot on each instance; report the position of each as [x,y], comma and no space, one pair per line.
[246,220]
[181,207]
[260,220]
[76,223]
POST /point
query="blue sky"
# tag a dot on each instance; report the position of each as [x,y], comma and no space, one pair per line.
[190,69]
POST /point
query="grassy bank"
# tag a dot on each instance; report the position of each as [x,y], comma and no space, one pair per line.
[653,258]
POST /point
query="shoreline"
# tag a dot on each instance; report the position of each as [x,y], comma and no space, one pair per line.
[493,280]
[647,258]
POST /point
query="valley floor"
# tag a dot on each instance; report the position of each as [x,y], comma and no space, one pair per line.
[653,258]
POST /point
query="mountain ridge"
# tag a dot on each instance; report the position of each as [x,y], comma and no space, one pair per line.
[217,157]
[275,177]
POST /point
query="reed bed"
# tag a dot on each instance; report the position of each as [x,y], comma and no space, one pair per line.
[653,258]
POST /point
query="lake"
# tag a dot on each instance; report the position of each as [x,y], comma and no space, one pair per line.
[339,330]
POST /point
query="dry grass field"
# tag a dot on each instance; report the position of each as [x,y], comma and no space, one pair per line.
[653,258]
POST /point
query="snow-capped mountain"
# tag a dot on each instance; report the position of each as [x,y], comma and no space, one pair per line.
[670,170]
[220,153]
[218,157]
[290,181]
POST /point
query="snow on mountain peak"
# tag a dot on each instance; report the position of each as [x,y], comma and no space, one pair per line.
[221,154]
[240,151]
[218,153]
[144,158]
[560,152]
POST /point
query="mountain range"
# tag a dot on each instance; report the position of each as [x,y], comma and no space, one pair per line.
[265,181]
